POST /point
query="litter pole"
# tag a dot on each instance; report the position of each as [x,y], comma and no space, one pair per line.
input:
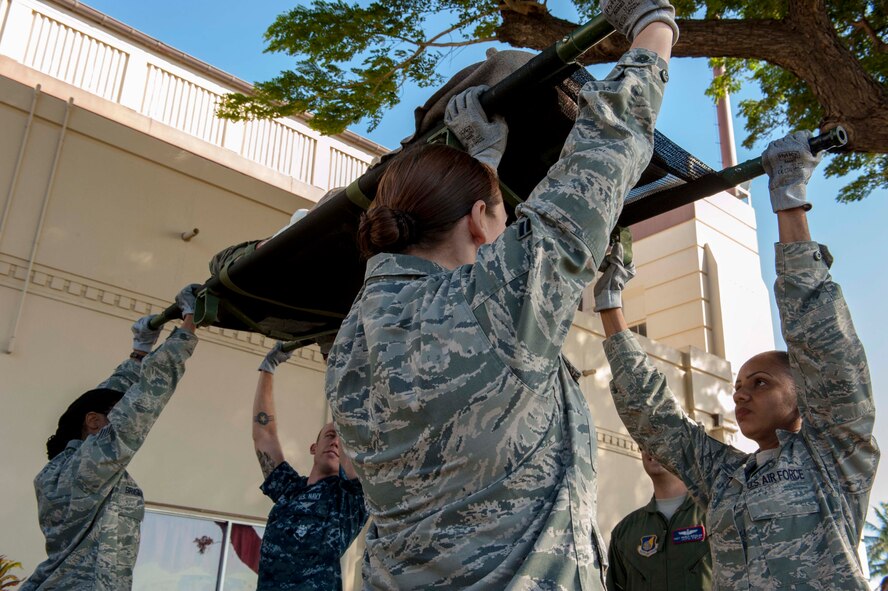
[646,207]
[171,313]
[547,67]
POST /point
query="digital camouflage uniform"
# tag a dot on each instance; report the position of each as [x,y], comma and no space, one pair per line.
[90,508]
[795,522]
[473,442]
[309,529]
[647,552]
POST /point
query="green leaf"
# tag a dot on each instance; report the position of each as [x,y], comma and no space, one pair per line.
[351,60]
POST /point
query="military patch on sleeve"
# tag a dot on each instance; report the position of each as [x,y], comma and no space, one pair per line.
[696,533]
[648,545]
[523,228]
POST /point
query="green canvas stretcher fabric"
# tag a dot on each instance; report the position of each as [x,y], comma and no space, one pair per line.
[300,284]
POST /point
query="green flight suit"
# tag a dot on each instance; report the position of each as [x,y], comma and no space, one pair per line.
[678,559]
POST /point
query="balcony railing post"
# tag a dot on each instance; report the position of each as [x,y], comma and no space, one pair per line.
[132,91]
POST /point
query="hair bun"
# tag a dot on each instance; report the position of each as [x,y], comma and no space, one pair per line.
[406,225]
[383,229]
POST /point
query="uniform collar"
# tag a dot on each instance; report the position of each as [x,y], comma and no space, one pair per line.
[74,443]
[387,264]
[784,436]
[651,507]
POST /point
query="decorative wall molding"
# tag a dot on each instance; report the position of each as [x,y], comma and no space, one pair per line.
[617,442]
[104,298]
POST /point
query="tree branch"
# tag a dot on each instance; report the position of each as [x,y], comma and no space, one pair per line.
[845,91]
[422,46]
[864,25]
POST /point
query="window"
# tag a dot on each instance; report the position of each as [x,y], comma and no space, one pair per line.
[640,328]
[185,552]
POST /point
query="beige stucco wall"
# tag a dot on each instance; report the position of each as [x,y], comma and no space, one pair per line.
[699,281]
[111,252]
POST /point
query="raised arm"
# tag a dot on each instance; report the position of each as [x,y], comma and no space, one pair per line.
[104,455]
[127,373]
[524,288]
[347,466]
[828,361]
[265,437]
[643,399]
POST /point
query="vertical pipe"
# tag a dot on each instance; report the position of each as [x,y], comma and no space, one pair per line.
[689,397]
[18,162]
[725,126]
[223,561]
[55,164]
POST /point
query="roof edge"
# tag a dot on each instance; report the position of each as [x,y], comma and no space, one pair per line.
[132,34]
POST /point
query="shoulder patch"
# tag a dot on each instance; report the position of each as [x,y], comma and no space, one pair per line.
[696,533]
[648,546]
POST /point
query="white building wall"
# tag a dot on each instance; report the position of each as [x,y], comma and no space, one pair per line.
[699,280]
[73,43]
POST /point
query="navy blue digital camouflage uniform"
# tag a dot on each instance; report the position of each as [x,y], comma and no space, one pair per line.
[309,528]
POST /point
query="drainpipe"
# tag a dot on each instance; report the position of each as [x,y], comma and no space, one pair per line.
[39,233]
[18,162]
[726,134]
[725,126]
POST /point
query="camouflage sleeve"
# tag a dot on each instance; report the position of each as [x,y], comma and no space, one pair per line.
[829,365]
[110,451]
[657,422]
[283,480]
[125,375]
[525,288]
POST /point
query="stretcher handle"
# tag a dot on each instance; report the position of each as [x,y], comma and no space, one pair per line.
[834,138]
[171,313]
[290,346]
[551,64]
[635,211]
[546,68]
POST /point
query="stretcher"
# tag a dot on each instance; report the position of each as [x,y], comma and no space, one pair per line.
[299,285]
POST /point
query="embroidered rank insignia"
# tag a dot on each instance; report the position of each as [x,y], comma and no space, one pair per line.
[696,533]
[648,546]
[523,228]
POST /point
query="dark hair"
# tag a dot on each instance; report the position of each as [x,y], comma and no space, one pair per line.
[421,196]
[100,400]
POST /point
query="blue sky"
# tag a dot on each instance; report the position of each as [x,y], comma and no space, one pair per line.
[229,34]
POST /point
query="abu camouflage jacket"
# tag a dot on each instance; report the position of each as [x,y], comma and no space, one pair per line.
[90,508]
[796,521]
[472,441]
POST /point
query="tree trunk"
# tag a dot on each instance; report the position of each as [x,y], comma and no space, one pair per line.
[803,43]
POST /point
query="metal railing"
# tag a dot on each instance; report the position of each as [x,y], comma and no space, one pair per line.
[84,48]
[74,57]
[280,146]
